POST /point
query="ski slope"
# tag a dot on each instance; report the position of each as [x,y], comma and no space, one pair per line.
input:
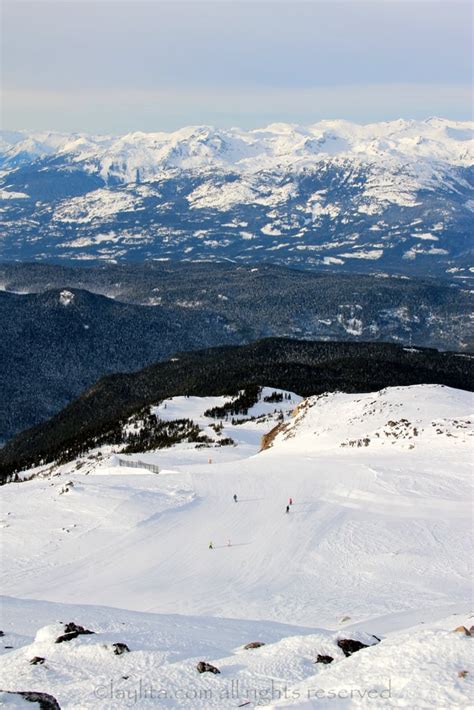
[379,533]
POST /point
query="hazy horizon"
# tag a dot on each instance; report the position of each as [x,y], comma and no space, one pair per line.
[113,67]
[29,130]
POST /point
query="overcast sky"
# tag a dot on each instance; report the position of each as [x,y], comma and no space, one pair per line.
[108,66]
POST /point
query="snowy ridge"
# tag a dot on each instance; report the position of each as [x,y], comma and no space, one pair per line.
[334,194]
[277,145]
[391,417]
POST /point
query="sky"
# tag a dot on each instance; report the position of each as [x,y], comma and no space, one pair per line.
[111,66]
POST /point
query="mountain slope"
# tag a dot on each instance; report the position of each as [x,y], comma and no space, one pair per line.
[299,366]
[377,540]
[57,343]
[361,505]
[64,344]
[393,196]
[268,300]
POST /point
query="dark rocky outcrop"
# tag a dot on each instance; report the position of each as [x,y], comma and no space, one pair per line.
[324,659]
[254,644]
[120,648]
[37,661]
[72,631]
[349,646]
[44,701]
[203,667]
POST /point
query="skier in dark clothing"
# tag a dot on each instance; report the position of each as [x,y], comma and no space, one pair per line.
[287,508]
[235,497]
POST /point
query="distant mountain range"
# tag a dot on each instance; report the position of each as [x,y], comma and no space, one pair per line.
[387,197]
[63,328]
[98,416]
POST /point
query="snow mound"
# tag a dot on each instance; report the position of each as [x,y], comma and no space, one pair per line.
[422,667]
[48,634]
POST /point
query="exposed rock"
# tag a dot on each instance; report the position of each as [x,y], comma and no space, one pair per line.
[269,437]
[349,646]
[72,631]
[37,661]
[203,667]
[45,700]
[120,648]
[324,659]
[254,644]
[2,633]
[462,674]
[462,630]
[343,619]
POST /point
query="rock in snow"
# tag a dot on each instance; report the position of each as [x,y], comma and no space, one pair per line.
[120,648]
[349,646]
[43,701]
[37,660]
[203,667]
[72,631]
[324,659]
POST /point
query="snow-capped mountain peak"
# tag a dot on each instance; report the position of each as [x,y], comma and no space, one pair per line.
[251,151]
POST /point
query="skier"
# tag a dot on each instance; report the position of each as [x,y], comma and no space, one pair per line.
[228,543]
[287,508]
[290,501]
[235,497]
[211,546]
